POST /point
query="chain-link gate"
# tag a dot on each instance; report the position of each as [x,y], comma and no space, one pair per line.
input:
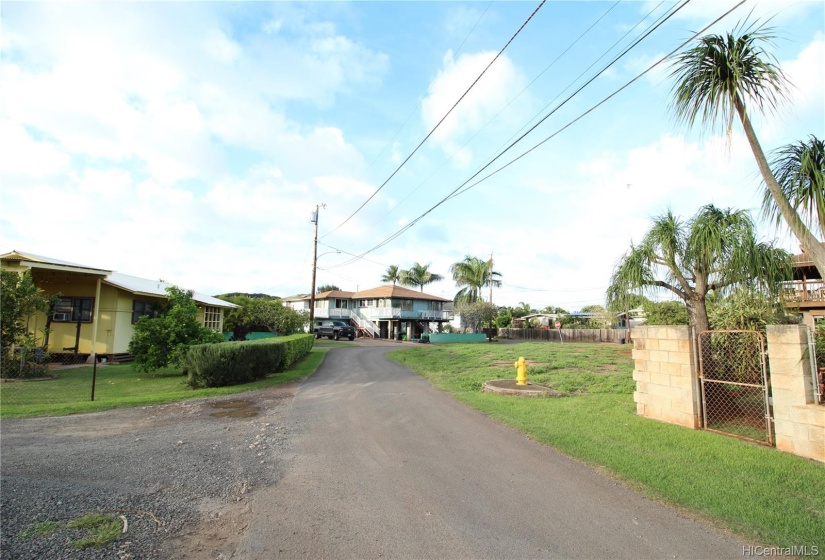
[816,351]
[734,381]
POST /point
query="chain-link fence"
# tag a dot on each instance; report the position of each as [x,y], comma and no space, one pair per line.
[817,345]
[733,372]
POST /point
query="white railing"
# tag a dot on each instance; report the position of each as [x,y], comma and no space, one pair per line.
[398,313]
[366,324]
[348,314]
[383,313]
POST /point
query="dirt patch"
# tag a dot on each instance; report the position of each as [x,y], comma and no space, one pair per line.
[182,475]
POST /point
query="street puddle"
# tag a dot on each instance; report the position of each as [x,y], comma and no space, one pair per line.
[236,409]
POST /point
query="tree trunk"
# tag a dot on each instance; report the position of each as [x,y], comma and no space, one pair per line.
[810,243]
[698,313]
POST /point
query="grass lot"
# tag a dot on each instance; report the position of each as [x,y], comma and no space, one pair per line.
[770,497]
[120,386]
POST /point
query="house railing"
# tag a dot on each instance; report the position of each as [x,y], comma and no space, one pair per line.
[348,314]
[375,313]
[804,291]
[384,313]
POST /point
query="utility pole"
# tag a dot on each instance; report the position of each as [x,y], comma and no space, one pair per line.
[314,267]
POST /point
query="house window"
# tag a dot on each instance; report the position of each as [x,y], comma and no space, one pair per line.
[403,304]
[212,318]
[143,309]
[366,303]
[340,303]
[70,309]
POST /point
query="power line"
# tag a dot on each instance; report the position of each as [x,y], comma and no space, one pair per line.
[417,105]
[494,117]
[460,99]
[464,188]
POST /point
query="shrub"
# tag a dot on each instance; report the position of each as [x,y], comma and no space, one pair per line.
[219,365]
[163,340]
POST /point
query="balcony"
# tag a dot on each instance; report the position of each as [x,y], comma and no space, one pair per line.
[804,294]
[385,313]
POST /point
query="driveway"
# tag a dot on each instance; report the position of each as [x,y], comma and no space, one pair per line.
[363,460]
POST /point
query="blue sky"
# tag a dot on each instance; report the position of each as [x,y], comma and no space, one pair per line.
[191,141]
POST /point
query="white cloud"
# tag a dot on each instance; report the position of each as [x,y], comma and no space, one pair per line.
[489,96]
[221,47]
[28,159]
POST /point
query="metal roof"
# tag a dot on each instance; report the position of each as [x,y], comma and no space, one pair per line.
[158,288]
[126,282]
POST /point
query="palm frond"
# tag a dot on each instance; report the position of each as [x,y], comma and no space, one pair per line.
[799,169]
[721,70]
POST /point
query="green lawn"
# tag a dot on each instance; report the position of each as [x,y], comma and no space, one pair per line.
[119,386]
[770,497]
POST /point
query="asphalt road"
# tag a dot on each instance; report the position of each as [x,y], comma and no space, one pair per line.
[385,466]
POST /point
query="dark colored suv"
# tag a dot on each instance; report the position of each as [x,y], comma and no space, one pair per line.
[334,329]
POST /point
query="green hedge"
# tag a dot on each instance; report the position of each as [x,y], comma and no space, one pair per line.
[233,363]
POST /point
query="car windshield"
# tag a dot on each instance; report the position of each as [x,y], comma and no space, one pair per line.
[339,324]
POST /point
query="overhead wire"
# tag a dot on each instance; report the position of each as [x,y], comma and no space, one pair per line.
[510,102]
[464,187]
[430,133]
[417,105]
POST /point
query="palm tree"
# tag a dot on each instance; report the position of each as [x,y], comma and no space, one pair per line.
[473,274]
[799,169]
[715,251]
[393,274]
[419,275]
[715,79]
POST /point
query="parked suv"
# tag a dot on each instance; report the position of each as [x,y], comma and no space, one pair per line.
[334,329]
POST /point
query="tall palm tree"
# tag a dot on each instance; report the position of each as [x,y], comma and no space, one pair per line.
[715,79]
[799,169]
[715,251]
[393,274]
[473,274]
[419,275]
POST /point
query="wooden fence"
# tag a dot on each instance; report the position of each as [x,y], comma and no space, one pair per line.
[567,335]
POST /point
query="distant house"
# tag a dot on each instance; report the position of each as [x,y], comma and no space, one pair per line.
[97,305]
[298,302]
[381,312]
[806,293]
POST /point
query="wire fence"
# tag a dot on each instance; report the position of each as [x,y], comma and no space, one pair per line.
[733,372]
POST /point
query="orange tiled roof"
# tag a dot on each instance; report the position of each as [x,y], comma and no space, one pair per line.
[395,292]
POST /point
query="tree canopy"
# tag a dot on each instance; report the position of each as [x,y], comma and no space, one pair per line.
[471,275]
[327,288]
[163,340]
[419,275]
[275,316]
[715,251]
[392,274]
[729,75]
[799,169]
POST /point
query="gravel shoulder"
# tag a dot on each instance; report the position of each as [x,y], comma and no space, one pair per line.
[178,474]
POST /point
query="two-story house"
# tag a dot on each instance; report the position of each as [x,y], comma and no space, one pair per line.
[381,312]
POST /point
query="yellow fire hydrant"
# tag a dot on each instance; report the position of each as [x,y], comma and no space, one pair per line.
[521,371]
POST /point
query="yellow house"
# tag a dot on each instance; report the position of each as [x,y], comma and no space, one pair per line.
[97,305]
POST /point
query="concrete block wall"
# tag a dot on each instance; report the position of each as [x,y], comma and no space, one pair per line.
[799,423]
[666,385]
